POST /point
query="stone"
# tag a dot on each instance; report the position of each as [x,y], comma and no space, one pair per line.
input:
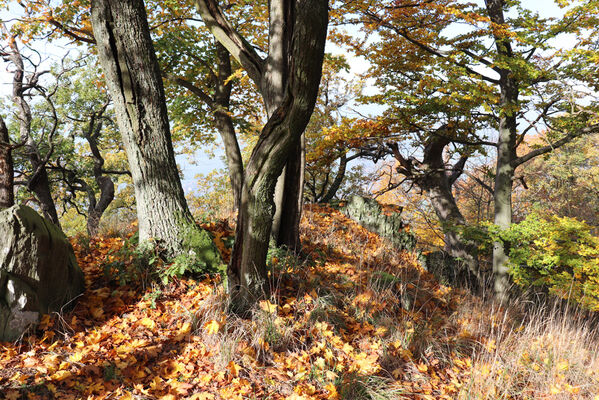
[383,220]
[38,271]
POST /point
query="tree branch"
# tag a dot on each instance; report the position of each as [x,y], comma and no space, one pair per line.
[559,143]
[224,32]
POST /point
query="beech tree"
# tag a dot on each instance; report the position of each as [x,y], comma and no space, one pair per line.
[524,84]
[133,77]
[288,79]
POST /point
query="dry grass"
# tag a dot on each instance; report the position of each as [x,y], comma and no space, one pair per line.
[551,354]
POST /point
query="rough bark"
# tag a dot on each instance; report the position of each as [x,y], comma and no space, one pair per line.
[7,191]
[289,80]
[127,56]
[506,151]
[435,179]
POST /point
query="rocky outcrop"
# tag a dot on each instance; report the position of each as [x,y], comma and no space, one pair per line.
[38,270]
[383,220]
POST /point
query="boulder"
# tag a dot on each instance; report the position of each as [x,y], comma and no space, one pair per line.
[384,220]
[38,270]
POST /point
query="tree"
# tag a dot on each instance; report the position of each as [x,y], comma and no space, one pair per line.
[129,62]
[288,80]
[7,187]
[563,183]
[520,75]
[83,108]
[27,85]
[330,144]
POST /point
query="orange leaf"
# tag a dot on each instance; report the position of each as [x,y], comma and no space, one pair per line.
[234,368]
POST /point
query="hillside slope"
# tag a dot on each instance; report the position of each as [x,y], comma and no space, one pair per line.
[351,319]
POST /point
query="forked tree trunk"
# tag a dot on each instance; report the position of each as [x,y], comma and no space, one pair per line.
[7,191]
[289,81]
[97,207]
[127,56]
[437,183]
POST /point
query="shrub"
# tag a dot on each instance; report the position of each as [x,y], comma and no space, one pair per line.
[556,253]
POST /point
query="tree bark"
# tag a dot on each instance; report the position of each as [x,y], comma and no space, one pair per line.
[289,80]
[224,122]
[7,191]
[506,151]
[288,207]
[437,183]
[127,56]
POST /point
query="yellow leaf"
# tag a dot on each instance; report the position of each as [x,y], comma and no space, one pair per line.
[202,396]
[555,389]
[212,327]
[61,375]
[148,323]
[268,306]
[76,357]
[422,368]
[562,365]
[185,329]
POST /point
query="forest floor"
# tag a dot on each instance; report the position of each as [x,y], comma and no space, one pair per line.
[350,319]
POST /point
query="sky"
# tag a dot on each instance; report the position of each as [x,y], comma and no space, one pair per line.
[203,162]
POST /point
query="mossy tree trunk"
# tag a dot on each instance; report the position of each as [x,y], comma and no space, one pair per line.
[288,80]
[127,56]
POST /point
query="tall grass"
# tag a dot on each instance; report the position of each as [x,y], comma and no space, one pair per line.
[552,353]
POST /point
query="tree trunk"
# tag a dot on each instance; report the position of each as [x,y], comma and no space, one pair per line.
[506,151]
[127,56]
[336,184]
[288,210]
[303,24]
[436,183]
[97,207]
[39,183]
[502,196]
[224,122]
[7,191]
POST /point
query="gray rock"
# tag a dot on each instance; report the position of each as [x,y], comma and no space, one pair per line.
[38,270]
[369,214]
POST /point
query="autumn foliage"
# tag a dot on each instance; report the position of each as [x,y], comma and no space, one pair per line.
[354,319]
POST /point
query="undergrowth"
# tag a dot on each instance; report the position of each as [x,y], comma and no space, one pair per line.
[350,318]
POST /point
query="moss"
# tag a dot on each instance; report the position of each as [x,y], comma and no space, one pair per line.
[200,255]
